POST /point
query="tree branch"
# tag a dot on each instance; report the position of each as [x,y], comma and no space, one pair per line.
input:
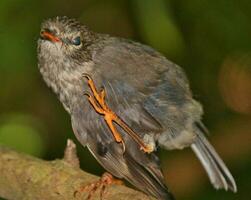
[30,178]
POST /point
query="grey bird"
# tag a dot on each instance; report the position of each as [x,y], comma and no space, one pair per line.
[136,100]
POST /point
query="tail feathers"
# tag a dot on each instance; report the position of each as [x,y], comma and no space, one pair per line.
[217,171]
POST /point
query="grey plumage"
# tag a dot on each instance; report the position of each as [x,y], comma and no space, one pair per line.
[150,93]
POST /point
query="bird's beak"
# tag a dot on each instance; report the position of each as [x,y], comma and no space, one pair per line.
[46,35]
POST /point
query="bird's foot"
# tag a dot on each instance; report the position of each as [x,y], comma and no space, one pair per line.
[100,106]
[106,180]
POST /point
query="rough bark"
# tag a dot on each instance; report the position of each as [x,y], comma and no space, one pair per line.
[28,178]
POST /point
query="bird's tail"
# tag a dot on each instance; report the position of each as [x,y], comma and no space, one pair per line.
[217,171]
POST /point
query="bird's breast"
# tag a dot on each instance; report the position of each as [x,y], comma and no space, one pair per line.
[66,80]
[70,88]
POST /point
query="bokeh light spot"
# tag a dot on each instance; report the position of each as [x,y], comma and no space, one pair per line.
[235,83]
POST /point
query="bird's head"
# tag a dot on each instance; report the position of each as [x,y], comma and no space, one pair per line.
[62,37]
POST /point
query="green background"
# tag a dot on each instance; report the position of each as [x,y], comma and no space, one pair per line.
[211,40]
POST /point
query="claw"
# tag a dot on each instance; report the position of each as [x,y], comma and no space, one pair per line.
[147,149]
[87,94]
[102,95]
[103,183]
[87,76]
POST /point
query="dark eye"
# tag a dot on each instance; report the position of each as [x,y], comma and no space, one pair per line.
[76,41]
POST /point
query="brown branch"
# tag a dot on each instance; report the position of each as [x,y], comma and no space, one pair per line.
[26,177]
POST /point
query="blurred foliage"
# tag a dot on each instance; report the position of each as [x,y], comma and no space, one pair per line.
[156,26]
[210,39]
[20,133]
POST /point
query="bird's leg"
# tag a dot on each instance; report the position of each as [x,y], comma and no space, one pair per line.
[102,184]
[99,104]
[126,128]
[95,105]
[108,116]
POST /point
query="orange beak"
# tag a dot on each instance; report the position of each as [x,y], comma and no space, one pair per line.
[49,36]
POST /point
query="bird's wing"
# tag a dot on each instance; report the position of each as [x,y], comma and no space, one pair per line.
[141,169]
[147,90]
[144,173]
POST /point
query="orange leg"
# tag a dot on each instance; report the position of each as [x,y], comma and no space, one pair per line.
[102,184]
[99,104]
[109,117]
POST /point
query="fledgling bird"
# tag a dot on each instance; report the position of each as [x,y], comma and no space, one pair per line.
[134,101]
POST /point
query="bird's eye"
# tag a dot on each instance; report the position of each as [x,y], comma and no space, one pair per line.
[76,41]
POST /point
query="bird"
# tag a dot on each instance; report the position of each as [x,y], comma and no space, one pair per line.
[125,100]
